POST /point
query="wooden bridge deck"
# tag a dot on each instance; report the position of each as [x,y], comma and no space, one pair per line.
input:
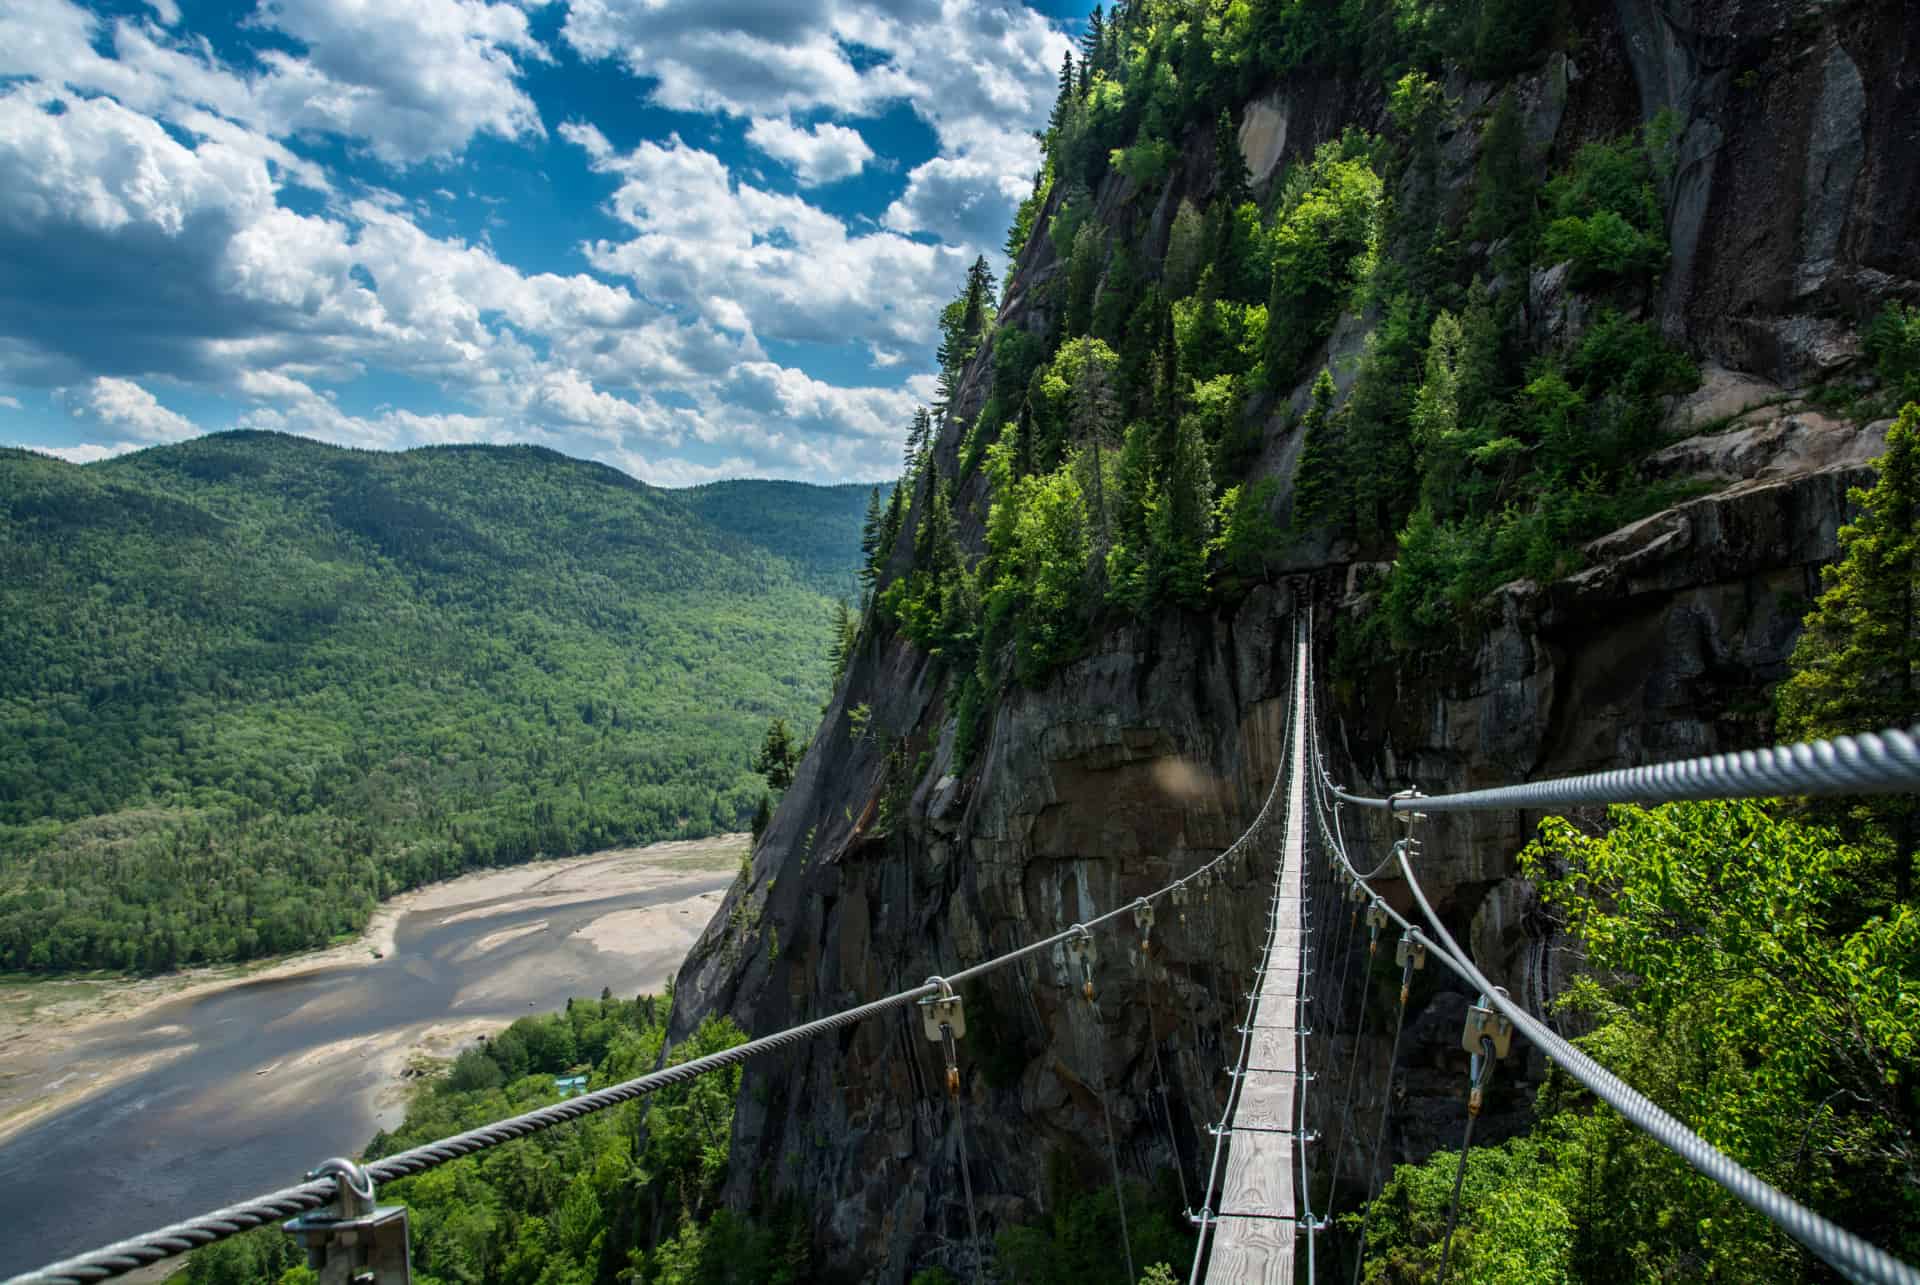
[1253,1241]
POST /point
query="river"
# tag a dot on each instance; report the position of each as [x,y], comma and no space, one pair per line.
[245,1088]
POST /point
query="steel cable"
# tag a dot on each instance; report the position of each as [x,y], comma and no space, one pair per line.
[1885,762]
[135,1252]
[1759,774]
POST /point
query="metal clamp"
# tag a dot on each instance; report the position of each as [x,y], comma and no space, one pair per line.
[1376,920]
[1143,920]
[354,1241]
[944,1020]
[1410,954]
[1485,1023]
[1080,949]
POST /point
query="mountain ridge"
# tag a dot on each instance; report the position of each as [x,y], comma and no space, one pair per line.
[226,653]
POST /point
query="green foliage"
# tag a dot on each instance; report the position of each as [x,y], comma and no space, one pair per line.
[1321,488]
[1856,666]
[1604,212]
[1245,532]
[1511,487]
[1146,162]
[1320,247]
[1740,1010]
[1038,550]
[1076,1245]
[1504,186]
[1187,252]
[1893,342]
[254,684]
[623,1194]
[1506,35]
[777,757]
[936,604]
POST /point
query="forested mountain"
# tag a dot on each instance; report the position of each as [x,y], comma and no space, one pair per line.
[251,683]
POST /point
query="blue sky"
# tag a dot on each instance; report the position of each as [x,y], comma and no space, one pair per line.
[689,238]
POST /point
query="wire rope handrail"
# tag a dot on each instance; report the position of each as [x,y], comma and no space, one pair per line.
[1887,762]
[135,1252]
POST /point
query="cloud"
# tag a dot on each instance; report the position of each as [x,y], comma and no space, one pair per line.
[981,75]
[734,254]
[822,154]
[85,452]
[11,403]
[410,81]
[126,404]
[146,234]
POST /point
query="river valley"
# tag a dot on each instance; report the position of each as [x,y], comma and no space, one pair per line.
[236,1088]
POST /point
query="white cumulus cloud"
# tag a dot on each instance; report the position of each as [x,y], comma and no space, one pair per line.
[820,154]
[125,404]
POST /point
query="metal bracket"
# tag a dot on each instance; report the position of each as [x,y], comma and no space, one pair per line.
[1484,1022]
[1143,920]
[941,1010]
[1080,950]
[944,1020]
[1411,946]
[354,1241]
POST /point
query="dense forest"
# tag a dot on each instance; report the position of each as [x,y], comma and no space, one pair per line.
[629,1194]
[252,684]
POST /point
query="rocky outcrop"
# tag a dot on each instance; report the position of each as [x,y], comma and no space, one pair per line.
[1793,215]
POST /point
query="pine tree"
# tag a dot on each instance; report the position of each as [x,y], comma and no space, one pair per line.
[1186,252]
[1233,182]
[842,635]
[1319,493]
[1095,37]
[1856,667]
[1063,102]
[979,297]
[777,757]
[870,530]
[1503,185]
[919,434]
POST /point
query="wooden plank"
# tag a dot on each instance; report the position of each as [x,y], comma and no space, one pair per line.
[1274,1050]
[1259,1176]
[1257,1250]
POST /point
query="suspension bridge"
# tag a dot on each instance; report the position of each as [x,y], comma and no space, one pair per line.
[1252,1208]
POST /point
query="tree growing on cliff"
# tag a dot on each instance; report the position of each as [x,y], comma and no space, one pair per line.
[777,757]
[1856,667]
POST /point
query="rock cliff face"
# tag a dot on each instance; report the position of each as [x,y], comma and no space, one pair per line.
[1793,214]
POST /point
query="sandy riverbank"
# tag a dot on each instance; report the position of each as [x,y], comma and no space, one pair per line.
[45,1026]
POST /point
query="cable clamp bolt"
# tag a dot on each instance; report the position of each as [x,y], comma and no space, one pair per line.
[944,1020]
[1143,920]
[1485,1023]
[1080,950]
[354,1239]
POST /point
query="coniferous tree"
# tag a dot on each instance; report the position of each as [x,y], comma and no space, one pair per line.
[1504,184]
[1233,182]
[777,757]
[1187,252]
[843,634]
[1063,101]
[870,533]
[1093,40]
[1319,490]
[1857,664]
[979,298]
